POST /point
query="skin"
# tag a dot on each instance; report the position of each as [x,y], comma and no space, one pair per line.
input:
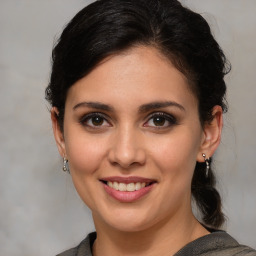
[129,142]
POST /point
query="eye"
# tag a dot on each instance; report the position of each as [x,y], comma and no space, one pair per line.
[95,120]
[160,120]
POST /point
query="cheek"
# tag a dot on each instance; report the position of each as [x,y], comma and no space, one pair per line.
[85,156]
[84,153]
[176,154]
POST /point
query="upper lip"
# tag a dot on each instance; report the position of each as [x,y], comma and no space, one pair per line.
[127,180]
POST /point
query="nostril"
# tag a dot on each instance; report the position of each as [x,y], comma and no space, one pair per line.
[126,159]
[125,150]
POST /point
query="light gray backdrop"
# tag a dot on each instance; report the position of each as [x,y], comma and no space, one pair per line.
[41,213]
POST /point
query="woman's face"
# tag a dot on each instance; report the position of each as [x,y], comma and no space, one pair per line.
[132,136]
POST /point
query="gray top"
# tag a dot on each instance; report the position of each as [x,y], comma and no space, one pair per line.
[218,243]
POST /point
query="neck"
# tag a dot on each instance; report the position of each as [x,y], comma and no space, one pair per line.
[166,238]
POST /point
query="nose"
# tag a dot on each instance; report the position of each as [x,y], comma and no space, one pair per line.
[127,148]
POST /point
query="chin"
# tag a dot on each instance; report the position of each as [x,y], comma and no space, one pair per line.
[132,220]
[130,226]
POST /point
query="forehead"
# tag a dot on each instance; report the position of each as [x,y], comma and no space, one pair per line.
[138,74]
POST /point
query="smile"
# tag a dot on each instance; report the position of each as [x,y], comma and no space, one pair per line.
[127,189]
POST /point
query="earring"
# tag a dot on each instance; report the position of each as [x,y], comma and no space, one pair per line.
[65,165]
[207,162]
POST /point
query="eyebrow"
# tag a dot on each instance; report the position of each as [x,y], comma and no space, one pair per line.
[94,105]
[142,109]
[159,104]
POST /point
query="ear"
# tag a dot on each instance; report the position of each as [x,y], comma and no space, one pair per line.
[212,134]
[58,134]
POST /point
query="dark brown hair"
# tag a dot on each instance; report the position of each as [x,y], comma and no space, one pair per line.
[108,27]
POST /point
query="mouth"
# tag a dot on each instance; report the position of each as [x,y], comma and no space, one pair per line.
[130,187]
[127,189]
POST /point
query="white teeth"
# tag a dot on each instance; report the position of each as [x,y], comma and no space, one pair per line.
[122,187]
[115,185]
[126,187]
[130,187]
[138,186]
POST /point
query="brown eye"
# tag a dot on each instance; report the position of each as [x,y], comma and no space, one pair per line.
[97,120]
[159,121]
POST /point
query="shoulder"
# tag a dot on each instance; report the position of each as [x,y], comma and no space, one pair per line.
[218,243]
[83,249]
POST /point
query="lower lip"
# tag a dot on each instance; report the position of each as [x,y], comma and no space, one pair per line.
[125,196]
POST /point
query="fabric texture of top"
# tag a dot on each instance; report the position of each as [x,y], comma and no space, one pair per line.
[218,243]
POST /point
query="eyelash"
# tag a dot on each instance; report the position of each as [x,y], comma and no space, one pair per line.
[167,118]
[84,120]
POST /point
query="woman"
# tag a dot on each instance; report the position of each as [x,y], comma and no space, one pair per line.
[137,95]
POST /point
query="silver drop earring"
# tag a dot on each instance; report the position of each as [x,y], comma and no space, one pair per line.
[207,162]
[65,165]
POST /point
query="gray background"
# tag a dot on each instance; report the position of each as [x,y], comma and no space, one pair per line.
[41,213]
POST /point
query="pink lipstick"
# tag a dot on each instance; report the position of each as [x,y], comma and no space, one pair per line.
[127,189]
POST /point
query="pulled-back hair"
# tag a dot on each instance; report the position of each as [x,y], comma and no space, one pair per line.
[108,27]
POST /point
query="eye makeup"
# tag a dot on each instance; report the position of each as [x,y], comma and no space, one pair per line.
[160,120]
[95,120]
